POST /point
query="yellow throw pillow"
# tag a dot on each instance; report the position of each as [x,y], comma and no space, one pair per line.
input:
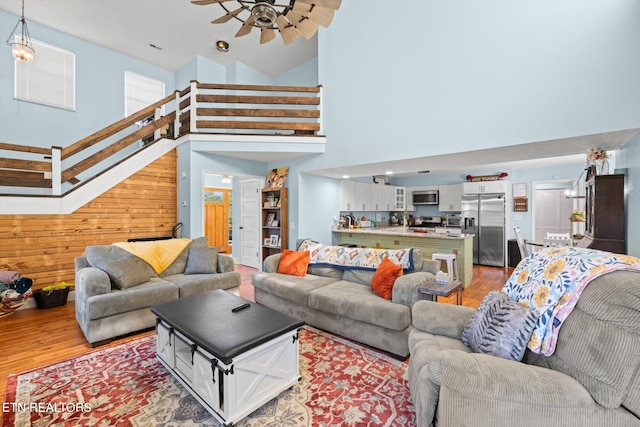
[384,278]
[294,263]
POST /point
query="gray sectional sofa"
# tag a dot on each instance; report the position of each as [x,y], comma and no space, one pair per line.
[114,289]
[592,379]
[342,302]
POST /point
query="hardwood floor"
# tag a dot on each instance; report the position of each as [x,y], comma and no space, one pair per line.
[31,338]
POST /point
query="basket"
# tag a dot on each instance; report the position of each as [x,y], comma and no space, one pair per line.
[50,299]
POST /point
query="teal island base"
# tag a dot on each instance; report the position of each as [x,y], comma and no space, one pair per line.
[428,243]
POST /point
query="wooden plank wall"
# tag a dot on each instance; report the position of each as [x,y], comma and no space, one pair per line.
[43,247]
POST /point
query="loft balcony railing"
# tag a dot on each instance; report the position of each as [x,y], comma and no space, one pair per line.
[201,108]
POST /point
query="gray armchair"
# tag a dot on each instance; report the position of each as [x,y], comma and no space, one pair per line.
[592,379]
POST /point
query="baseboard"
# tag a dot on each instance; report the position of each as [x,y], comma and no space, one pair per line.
[31,302]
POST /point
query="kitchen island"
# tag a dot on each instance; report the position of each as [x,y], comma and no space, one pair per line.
[428,243]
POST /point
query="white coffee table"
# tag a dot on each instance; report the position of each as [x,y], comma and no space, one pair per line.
[231,354]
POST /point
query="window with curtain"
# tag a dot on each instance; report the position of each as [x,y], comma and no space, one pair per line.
[140,92]
[49,79]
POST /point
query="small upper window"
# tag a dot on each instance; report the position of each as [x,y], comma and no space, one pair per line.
[140,92]
[49,79]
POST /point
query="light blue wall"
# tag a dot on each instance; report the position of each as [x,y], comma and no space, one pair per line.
[475,74]
[241,74]
[99,91]
[303,75]
[629,158]
[317,208]
[188,72]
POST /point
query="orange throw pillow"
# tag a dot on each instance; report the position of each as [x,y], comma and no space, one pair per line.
[294,263]
[385,277]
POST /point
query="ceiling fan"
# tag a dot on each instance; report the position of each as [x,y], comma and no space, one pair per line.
[291,18]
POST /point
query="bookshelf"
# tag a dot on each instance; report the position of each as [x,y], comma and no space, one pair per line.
[274,221]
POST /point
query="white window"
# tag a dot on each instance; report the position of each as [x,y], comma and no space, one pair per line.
[49,79]
[140,92]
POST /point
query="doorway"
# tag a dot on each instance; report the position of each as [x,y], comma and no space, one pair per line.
[218,218]
[231,215]
[552,208]
[250,218]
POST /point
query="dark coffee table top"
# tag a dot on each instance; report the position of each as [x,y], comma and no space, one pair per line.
[207,320]
[445,289]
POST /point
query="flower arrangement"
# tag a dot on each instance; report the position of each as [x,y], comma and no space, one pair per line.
[577,216]
[595,154]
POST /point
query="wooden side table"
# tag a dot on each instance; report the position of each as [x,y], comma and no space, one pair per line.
[433,290]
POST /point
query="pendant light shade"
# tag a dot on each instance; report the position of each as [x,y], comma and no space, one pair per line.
[20,41]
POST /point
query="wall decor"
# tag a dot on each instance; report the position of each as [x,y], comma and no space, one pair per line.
[276,177]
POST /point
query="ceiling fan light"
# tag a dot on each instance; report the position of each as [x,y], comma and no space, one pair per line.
[264,14]
[222,46]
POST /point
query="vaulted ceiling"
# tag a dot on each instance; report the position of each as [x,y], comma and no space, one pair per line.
[178,29]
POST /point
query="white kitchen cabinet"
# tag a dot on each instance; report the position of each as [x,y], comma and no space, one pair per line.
[450,198]
[362,199]
[400,199]
[376,197]
[498,186]
[388,197]
[382,197]
[347,195]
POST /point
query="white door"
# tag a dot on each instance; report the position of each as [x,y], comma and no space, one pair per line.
[250,222]
[552,211]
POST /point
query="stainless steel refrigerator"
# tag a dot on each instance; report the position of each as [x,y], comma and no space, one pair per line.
[483,215]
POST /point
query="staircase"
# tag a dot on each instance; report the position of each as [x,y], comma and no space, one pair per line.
[60,180]
[121,183]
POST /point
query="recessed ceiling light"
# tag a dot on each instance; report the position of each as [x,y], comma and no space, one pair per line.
[388,173]
[222,46]
[345,177]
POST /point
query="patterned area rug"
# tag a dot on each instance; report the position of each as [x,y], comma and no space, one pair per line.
[343,384]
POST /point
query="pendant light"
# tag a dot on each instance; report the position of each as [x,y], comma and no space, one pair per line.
[22,50]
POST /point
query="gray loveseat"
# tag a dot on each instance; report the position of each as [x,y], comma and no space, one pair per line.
[591,380]
[342,302]
[117,303]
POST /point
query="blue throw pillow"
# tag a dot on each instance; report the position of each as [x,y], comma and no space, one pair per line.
[500,327]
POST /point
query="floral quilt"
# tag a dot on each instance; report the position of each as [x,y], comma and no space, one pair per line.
[355,258]
[551,280]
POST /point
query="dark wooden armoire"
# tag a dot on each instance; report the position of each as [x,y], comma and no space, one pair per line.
[605,214]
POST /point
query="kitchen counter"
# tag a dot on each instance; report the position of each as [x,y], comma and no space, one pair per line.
[398,231]
[429,243]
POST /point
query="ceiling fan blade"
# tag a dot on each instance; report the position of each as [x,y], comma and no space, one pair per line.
[246,27]
[330,4]
[206,2]
[287,31]
[266,35]
[321,15]
[226,17]
[307,27]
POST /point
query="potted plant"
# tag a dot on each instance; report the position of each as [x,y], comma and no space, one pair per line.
[52,295]
[577,216]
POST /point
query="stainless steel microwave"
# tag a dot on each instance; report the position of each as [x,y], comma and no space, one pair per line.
[428,197]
